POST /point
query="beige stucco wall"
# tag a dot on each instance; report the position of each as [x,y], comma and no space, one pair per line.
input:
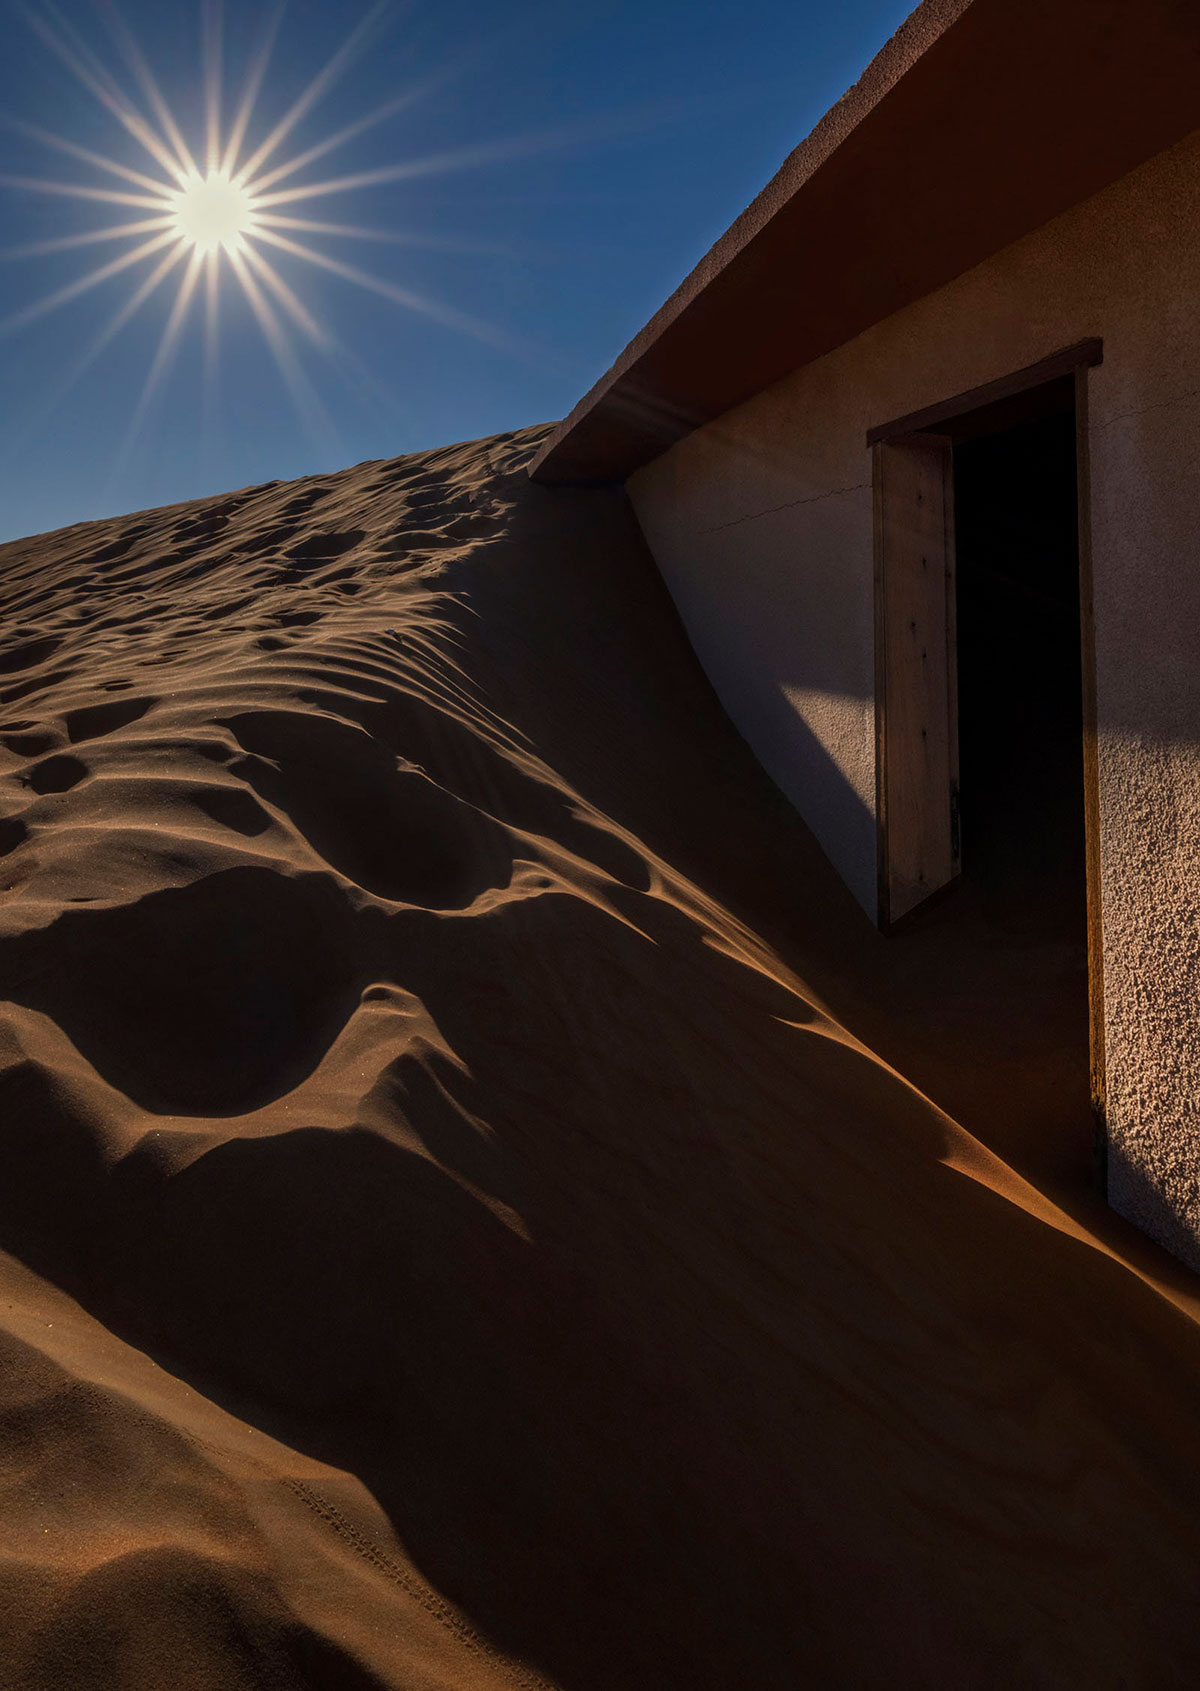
[761,525]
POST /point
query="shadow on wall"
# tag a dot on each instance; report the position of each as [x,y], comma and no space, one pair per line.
[778,608]
[815,782]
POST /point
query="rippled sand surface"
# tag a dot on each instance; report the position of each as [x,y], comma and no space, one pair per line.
[473,1212]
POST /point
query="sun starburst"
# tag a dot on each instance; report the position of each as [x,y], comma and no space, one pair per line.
[199,215]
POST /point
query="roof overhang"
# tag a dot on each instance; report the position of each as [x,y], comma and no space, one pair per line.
[979,121]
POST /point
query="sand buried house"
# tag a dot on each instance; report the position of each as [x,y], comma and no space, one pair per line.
[483,1206]
[915,448]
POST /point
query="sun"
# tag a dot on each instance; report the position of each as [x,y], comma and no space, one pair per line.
[212,212]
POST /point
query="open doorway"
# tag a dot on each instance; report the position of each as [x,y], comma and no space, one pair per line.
[988,869]
[1020,802]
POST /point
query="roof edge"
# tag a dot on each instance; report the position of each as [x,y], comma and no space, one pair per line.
[914,37]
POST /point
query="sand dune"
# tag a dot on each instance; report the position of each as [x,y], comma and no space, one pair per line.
[475,1208]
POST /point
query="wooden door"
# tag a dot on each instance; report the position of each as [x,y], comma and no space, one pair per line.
[916,701]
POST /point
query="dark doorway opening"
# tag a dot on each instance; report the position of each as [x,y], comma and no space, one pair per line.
[1020,687]
[986,758]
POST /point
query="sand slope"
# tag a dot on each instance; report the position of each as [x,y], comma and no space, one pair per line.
[459,1231]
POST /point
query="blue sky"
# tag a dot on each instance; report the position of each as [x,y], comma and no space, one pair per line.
[575,162]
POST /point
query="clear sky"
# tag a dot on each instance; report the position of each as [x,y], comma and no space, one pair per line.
[537,177]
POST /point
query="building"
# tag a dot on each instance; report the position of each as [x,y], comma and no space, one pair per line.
[916,448]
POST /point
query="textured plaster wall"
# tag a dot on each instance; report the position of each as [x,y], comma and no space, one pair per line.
[761,525]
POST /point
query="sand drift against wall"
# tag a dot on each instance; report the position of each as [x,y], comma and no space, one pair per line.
[457,1235]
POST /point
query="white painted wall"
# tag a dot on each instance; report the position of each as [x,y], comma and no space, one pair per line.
[761,525]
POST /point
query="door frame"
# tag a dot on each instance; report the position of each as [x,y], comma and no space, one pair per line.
[1072,361]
